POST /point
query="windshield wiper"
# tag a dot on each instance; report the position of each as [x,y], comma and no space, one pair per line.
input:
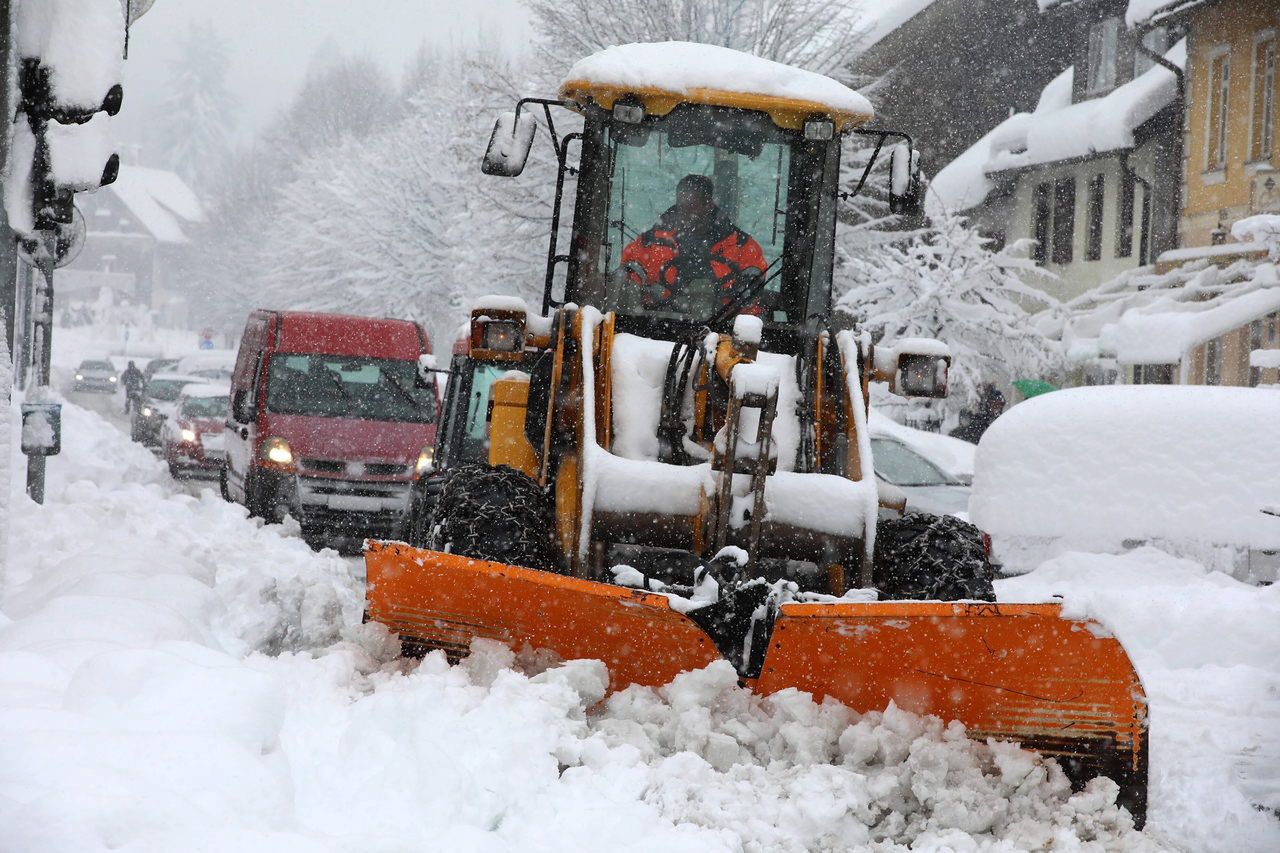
[744,296]
[336,378]
[404,392]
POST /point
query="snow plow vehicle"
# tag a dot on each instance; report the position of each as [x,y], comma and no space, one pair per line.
[670,464]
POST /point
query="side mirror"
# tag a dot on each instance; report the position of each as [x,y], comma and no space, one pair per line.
[242,407]
[906,192]
[914,367]
[509,144]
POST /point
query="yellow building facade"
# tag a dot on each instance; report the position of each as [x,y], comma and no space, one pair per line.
[1232,129]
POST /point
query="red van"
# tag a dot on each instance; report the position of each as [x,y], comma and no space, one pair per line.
[332,418]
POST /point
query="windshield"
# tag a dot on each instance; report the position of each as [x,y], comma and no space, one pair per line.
[205,407]
[902,466]
[336,386]
[96,365]
[703,212]
[165,390]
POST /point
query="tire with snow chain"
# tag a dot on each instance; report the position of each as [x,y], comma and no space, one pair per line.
[928,557]
[493,513]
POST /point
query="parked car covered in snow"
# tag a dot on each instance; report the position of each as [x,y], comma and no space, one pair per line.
[903,472]
[158,401]
[97,375]
[1187,468]
[192,438]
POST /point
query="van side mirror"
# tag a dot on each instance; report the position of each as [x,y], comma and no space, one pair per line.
[509,145]
[242,409]
[906,191]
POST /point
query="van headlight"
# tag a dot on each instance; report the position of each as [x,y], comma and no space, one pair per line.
[147,411]
[426,461]
[189,436]
[277,453]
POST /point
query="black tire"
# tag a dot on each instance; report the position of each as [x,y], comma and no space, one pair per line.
[493,513]
[174,472]
[926,557]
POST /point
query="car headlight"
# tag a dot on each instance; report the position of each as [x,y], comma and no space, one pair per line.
[276,451]
[189,436]
[147,411]
[426,461]
[79,376]
[112,379]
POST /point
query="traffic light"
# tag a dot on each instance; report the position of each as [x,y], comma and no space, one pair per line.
[69,63]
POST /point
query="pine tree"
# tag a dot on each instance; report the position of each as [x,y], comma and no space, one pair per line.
[193,123]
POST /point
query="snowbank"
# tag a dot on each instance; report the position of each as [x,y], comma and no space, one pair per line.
[683,67]
[1094,468]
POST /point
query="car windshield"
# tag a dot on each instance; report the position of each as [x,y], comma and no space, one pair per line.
[902,466]
[165,390]
[205,407]
[697,218]
[96,365]
[337,386]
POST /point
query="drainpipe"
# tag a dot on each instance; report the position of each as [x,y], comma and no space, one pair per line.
[1175,198]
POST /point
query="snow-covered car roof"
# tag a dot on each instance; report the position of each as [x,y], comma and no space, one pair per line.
[663,74]
[180,377]
[206,389]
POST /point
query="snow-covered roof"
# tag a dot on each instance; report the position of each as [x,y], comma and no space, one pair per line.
[206,389]
[1143,12]
[1058,130]
[1143,318]
[690,70]
[160,200]
[882,19]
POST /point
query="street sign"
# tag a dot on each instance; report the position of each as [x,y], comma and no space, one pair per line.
[41,429]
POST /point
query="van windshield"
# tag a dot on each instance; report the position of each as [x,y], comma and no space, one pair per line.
[339,386]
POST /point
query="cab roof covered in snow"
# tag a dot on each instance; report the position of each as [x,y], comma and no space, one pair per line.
[664,74]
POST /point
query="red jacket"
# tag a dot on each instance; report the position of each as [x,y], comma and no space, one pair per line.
[671,255]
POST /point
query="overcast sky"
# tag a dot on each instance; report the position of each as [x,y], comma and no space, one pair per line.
[271,42]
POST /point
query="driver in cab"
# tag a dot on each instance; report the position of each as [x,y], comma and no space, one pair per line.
[692,241]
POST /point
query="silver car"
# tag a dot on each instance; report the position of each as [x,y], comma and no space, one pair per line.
[926,487]
[97,375]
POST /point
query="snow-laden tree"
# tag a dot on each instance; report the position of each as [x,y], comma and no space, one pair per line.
[949,283]
[390,224]
[193,122]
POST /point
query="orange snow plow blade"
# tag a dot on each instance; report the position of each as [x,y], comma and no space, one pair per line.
[1018,672]
[442,601]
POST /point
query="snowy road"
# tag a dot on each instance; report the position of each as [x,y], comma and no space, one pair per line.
[176,677]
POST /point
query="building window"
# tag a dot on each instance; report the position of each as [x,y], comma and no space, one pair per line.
[1264,100]
[1219,92]
[1064,219]
[1041,222]
[1097,192]
[1155,40]
[1124,215]
[1153,374]
[1213,362]
[1104,37]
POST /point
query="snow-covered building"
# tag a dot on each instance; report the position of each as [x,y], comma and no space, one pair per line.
[137,231]
[931,63]
[1092,172]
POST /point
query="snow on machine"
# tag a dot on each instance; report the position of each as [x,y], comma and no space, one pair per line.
[670,463]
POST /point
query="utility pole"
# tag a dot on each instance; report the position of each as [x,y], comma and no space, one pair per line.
[8,245]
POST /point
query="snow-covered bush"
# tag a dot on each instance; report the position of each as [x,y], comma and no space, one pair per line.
[947,282]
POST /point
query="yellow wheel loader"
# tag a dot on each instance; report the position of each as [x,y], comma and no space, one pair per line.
[669,464]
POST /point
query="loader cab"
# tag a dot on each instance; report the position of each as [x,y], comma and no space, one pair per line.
[772,187]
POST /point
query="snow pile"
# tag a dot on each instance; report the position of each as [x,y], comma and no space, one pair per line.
[1096,468]
[80,41]
[881,19]
[1209,656]
[950,454]
[1263,228]
[685,67]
